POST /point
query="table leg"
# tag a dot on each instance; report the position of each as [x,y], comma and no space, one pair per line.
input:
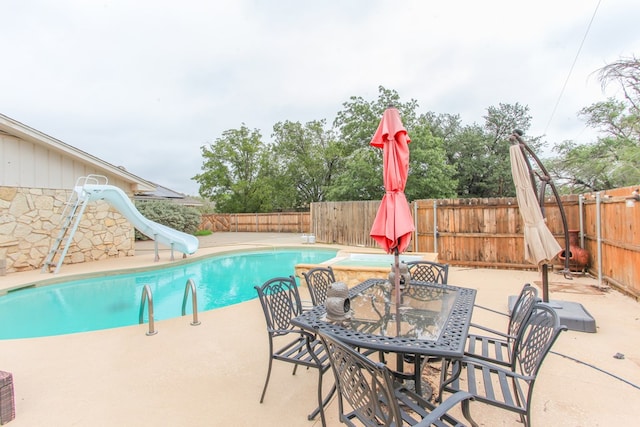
[415,376]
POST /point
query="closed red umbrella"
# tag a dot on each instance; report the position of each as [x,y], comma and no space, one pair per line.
[393,224]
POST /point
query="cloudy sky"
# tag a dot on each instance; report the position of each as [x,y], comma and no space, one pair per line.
[144,84]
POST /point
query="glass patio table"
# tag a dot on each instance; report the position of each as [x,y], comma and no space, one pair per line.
[432,320]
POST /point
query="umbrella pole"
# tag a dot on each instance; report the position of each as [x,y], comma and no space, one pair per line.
[545,282]
[396,290]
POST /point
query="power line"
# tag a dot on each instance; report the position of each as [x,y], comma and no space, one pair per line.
[564,86]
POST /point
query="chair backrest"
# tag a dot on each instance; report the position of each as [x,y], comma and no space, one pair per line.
[280,302]
[362,383]
[538,335]
[429,271]
[318,281]
[522,309]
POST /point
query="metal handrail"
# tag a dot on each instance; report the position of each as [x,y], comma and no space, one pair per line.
[146,297]
[194,301]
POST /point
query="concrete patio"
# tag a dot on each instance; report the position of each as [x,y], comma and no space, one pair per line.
[213,374]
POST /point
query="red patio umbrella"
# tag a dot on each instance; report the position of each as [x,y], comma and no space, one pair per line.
[393,224]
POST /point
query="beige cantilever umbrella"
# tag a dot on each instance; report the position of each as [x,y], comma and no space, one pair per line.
[540,245]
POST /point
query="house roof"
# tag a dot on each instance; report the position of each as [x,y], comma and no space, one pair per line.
[164,193]
[13,127]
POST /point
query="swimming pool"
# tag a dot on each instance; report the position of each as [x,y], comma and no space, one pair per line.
[110,301]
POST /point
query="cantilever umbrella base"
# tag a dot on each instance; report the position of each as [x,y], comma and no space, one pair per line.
[572,314]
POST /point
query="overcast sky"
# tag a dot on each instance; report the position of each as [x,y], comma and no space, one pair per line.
[144,84]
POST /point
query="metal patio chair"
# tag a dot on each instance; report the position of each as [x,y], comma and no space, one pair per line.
[281,302]
[501,386]
[367,393]
[318,281]
[497,346]
[429,271]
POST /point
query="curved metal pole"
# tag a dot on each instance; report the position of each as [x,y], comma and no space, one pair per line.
[146,297]
[190,285]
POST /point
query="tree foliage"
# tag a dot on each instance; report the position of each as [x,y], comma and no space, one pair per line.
[480,152]
[236,172]
[313,162]
[360,178]
[308,157]
[612,160]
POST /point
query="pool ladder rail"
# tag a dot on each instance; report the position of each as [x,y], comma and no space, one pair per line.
[147,299]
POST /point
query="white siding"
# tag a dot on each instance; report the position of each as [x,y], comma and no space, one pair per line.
[26,164]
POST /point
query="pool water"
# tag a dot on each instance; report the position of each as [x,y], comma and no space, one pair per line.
[112,301]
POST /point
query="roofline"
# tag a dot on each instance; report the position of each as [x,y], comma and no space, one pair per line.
[30,134]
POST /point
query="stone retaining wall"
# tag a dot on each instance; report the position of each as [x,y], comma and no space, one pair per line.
[30,220]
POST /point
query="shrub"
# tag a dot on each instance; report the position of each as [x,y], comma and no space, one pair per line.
[178,217]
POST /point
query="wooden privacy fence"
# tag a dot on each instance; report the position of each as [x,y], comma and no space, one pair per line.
[489,232]
[475,232]
[278,222]
[483,232]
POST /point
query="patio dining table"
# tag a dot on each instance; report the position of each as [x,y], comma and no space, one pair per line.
[432,322]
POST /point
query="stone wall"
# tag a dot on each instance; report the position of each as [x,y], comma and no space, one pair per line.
[30,220]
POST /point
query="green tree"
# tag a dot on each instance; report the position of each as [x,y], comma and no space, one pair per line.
[231,172]
[430,174]
[481,153]
[611,161]
[358,120]
[360,174]
[307,156]
[360,178]
[589,167]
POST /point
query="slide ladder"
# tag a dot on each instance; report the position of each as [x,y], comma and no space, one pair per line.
[71,217]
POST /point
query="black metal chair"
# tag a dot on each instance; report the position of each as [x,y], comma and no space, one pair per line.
[428,271]
[318,281]
[374,398]
[281,302]
[497,347]
[509,388]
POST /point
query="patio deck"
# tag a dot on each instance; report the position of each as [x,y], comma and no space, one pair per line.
[213,374]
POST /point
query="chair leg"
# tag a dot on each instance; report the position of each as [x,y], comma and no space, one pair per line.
[466,411]
[322,402]
[266,382]
[456,370]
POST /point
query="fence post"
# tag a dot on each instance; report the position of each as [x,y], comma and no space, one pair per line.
[599,238]
[435,226]
[415,226]
[581,218]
